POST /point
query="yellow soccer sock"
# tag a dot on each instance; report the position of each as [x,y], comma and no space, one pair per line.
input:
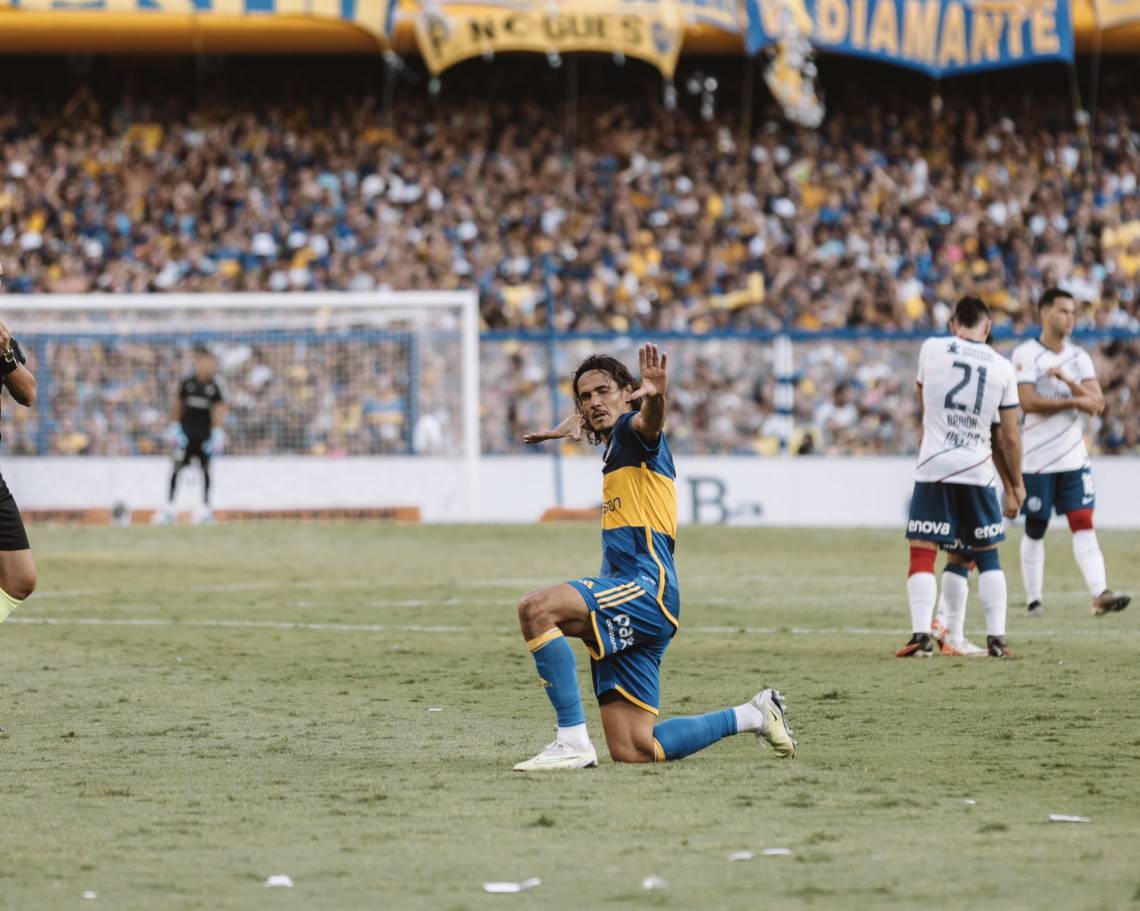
[7,605]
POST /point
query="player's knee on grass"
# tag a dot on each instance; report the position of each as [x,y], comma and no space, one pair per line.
[632,751]
[1036,528]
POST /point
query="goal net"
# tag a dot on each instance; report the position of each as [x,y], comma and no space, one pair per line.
[333,400]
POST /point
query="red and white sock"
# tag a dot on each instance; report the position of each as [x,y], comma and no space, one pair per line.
[921,589]
[1090,560]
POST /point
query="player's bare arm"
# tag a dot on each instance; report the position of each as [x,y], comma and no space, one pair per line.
[1087,394]
[20,382]
[650,420]
[1092,389]
[1009,443]
[569,427]
[1083,397]
[1010,504]
[921,407]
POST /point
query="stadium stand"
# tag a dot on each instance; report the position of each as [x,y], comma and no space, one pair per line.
[632,218]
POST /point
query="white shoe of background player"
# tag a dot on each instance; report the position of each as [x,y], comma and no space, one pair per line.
[163,517]
[560,755]
[962,648]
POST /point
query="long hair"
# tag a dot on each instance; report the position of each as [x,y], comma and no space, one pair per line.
[616,370]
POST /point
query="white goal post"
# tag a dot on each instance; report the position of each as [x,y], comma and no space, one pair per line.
[375,374]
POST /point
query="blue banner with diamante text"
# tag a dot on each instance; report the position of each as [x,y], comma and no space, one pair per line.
[938,37]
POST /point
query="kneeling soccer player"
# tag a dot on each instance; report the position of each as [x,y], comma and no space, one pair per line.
[627,615]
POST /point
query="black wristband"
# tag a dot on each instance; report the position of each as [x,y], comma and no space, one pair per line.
[8,363]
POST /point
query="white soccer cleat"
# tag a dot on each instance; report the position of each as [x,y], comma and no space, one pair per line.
[560,755]
[775,730]
[962,648]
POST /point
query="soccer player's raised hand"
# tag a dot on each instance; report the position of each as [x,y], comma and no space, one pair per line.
[654,374]
[571,427]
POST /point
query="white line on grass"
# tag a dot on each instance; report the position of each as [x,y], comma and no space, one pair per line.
[467,630]
[520,585]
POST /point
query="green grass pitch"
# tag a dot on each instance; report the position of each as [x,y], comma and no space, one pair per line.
[189,710]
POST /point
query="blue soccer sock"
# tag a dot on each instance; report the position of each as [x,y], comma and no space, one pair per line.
[680,737]
[554,659]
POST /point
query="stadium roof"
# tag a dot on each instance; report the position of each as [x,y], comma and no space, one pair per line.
[356,26]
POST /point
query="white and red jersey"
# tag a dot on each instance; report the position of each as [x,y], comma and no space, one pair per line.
[964,385]
[1052,442]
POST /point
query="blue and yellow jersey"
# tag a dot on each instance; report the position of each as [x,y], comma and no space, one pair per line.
[639,514]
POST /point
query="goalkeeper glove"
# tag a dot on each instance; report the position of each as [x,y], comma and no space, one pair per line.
[176,436]
[216,443]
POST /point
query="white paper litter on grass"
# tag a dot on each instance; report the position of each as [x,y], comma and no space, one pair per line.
[776,852]
[279,881]
[1061,817]
[90,893]
[512,887]
[435,710]
[740,855]
[970,803]
[654,881]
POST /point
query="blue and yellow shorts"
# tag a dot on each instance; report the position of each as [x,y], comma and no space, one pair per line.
[632,632]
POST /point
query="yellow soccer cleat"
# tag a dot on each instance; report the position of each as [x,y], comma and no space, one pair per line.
[775,729]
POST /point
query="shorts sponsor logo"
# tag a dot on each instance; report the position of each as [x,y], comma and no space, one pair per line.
[611,505]
[1034,503]
[925,527]
[619,632]
[989,531]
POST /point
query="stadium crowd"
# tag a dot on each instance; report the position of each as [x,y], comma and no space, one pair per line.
[646,220]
